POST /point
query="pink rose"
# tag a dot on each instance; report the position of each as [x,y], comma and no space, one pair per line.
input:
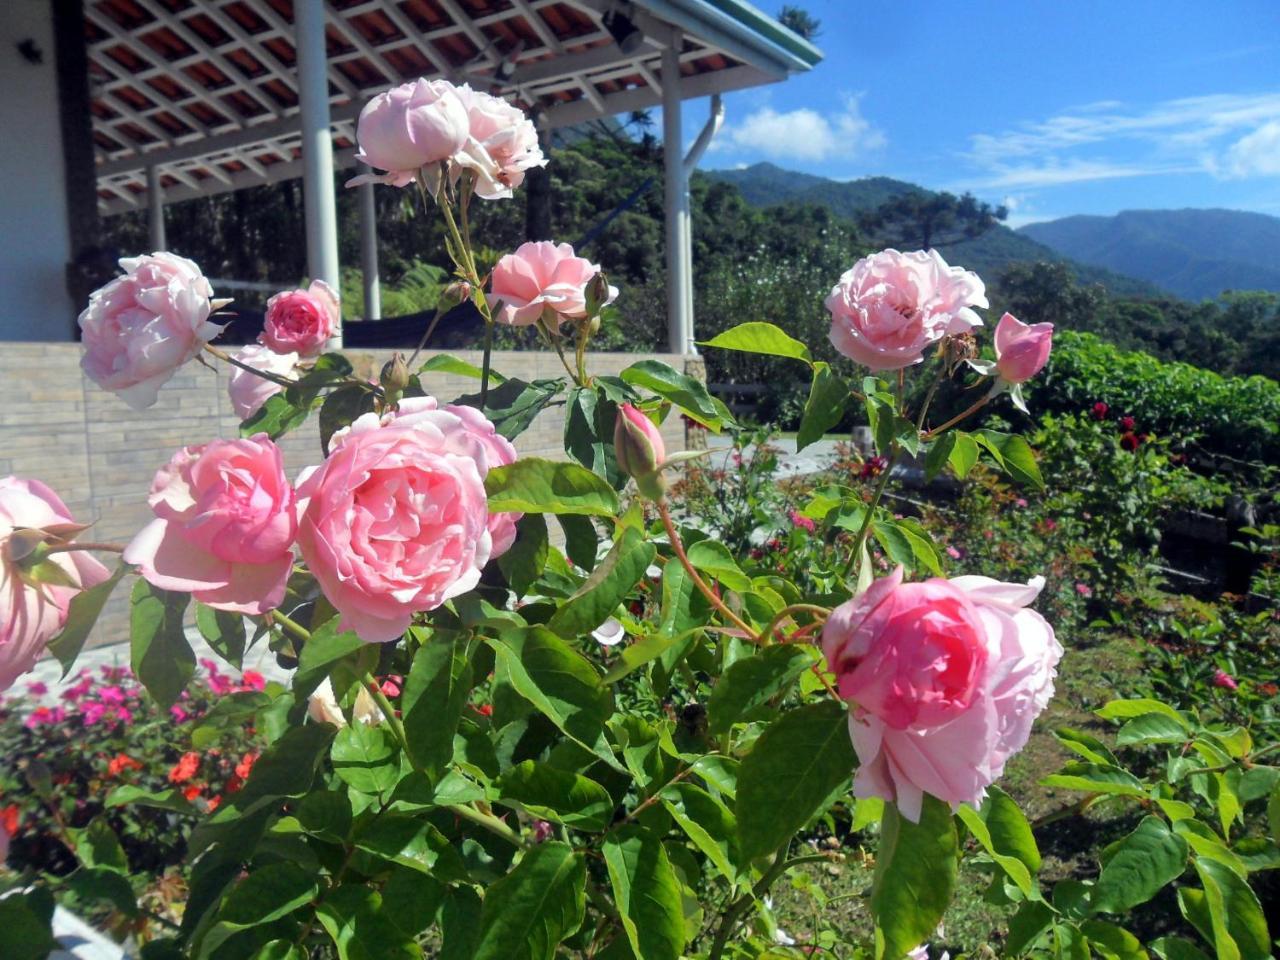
[944,679]
[396,521]
[890,307]
[248,391]
[1022,349]
[542,276]
[640,449]
[140,328]
[301,321]
[224,528]
[410,126]
[502,144]
[32,615]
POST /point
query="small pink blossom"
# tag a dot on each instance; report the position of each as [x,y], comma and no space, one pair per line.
[953,553]
[1084,589]
[1224,680]
[37,689]
[1022,349]
[800,520]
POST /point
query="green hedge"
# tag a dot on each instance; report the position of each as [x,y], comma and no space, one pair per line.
[1235,416]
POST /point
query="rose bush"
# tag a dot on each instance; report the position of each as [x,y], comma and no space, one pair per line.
[492,746]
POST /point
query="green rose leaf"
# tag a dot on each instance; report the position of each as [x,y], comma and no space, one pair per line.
[1096,778]
[557,795]
[647,893]
[1237,926]
[523,564]
[513,404]
[534,485]
[1138,867]
[160,654]
[435,694]
[757,337]
[915,877]
[86,606]
[533,908]
[606,587]
[751,682]
[268,893]
[713,558]
[1004,832]
[362,928]
[792,770]
[224,632]
[707,822]
[366,758]
[326,647]
[828,397]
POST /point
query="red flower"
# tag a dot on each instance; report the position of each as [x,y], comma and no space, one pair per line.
[1130,441]
[192,793]
[391,686]
[245,765]
[10,818]
[485,710]
[252,680]
[120,763]
[1268,689]
[185,768]
[1100,410]
[234,784]
[1127,423]
[212,803]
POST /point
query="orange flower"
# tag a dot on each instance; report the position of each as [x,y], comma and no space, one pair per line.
[246,765]
[192,792]
[212,803]
[120,763]
[10,817]
[185,768]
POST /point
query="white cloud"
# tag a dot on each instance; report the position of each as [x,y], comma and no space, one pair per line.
[803,134]
[1055,173]
[1256,154]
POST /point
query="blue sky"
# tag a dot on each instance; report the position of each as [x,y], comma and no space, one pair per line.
[1056,108]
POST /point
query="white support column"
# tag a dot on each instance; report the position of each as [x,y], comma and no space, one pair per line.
[369,250]
[676,197]
[317,145]
[155,209]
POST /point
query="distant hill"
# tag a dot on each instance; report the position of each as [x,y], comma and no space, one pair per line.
[764,184]
[1196,254]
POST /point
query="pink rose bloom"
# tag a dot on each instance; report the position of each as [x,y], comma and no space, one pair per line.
[140,328]
[31,616]
[408,127]
[224,528]
[540,276]
[502,144]
[1224,680]
[396,520]
[944,679]
[248,391]
[890,307]
[1022,349]
[302,321]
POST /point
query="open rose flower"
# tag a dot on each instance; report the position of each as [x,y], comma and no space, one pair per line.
[301,321]
[31,614]
[248,391]
[1022,349]
[396,521]
[502,143]
[542,276]
[224,528]
[140,328]
[944,679]
[408,127]
[890,307]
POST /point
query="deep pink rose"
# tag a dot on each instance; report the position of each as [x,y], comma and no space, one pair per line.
[890,307]
[31,616]
[502,144]
[140,328]
[301,321]
[542,276]
[396,521]
[248,391]
[410,126]
[225,525]
[1022,349]
[944,679]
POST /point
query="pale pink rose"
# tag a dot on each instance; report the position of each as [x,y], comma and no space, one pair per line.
[301,321]
[408,127]
[225,525]
[30,616]
[944,679]
[1022,349]
[248,391]
[502,144]
[140,328]
[396,521]
[540,276]
[890,307]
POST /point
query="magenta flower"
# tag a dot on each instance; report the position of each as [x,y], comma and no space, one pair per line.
[1224,680]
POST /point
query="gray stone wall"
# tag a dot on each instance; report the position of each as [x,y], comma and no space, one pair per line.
[99,455]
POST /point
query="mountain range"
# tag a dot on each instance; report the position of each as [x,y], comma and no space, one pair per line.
[1195,254]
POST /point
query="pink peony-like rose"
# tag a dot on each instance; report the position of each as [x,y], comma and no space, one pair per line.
[225,525]
[408,127]
[502,144]
[396,521]
[1022,349]
[302,321]
[248,391]
[890,307]
[542,276]
[140,328]
[944,679]
[32,615]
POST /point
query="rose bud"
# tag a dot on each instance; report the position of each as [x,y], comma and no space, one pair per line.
[1021,349]
[394,377]
[454,294]
[640,451]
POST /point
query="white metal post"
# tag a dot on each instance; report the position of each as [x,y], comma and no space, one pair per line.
[369,250]
[317,145]
[676,197]
[155,209]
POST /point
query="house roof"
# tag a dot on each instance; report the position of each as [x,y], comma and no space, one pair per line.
[207,93]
